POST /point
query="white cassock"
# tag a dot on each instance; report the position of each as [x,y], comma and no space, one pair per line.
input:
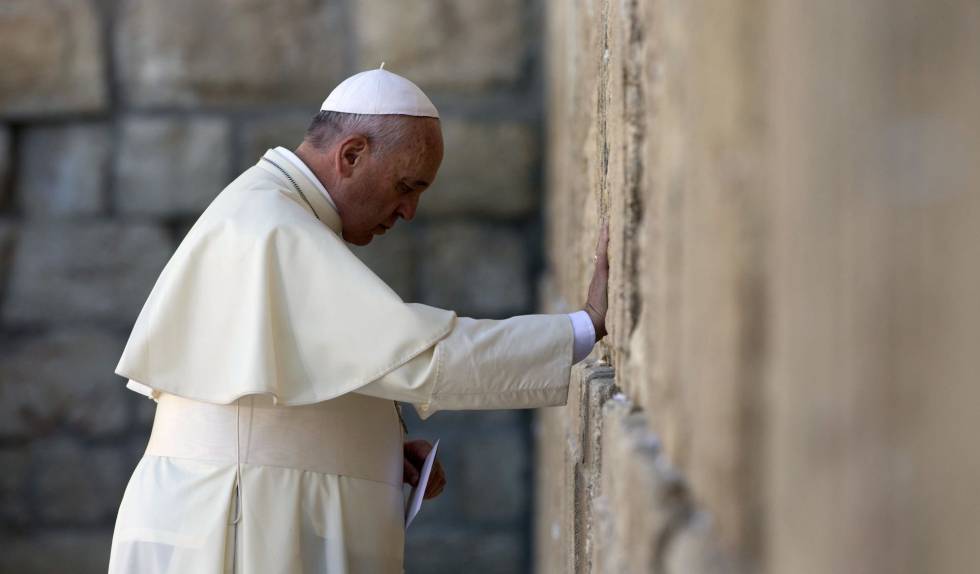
[275,356]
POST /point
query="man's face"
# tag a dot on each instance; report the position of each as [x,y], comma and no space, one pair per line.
[382,189]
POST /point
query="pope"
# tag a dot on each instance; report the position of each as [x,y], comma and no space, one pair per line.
[277,359]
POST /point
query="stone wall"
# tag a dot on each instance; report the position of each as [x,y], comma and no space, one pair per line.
[790,383]
[121,119]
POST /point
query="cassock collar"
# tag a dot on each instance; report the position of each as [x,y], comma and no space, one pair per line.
[308,173]
[307,188]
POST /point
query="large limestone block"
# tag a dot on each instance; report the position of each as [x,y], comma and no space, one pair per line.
[707,296]
[551,494]
[574,205]
[873,464]
[593,385]
[444,45]
[171,167]
[84,271]
[62,379]
[192,52]
[568,440]
[643,499]
[495,284]
[64,170]
[694,549]
[487,169]
[51,56]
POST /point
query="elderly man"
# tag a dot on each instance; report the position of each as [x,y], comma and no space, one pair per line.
[276,358]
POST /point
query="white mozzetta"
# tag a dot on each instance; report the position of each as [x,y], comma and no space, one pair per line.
[301,165]
[264,296]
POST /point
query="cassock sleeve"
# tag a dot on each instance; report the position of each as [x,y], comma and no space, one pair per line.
[520,362]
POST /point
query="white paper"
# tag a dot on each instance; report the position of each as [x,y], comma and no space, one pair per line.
[415,498]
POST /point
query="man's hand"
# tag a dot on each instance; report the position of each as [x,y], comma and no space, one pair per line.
[415,453]
[598,301]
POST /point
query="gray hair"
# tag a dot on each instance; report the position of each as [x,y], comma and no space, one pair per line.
[383,132]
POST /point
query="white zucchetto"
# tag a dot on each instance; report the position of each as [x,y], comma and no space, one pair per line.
[379,92]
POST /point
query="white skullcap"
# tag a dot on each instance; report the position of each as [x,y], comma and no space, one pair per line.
[379,92]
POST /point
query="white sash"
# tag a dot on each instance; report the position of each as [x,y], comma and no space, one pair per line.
[351,435]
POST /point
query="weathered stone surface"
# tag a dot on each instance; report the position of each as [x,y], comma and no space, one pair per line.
[75,484]
[14,510]
[189,52]
[392,257]
[74,271]
[492,285]
[495,465]
[51,57]
[552,492]
[872,390]
[568,479]
[64,170]
[694,549]
[445,45]
[171,167]
[259,135]
[487,169]
[80,551]
[62,378]
[655,129]
[635,475]
[439,551]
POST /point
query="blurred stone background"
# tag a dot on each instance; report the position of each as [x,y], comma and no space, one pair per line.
[121,119]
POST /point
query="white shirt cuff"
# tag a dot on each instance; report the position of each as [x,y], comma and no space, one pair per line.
[584,335]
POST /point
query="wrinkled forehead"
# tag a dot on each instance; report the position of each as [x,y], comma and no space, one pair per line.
[421,142]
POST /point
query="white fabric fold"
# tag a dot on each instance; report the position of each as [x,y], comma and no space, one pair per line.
[515,363]
[264,296]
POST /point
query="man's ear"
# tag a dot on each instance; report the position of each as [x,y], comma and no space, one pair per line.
[350,154]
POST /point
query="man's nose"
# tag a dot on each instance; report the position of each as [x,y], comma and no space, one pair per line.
[407,209]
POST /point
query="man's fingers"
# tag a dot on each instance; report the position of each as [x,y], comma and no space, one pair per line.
[417,450]
[437,480]
[415,453]
[411,476]
[602,246]
[435,486]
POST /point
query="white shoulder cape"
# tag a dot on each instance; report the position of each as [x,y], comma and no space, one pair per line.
[264,296]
